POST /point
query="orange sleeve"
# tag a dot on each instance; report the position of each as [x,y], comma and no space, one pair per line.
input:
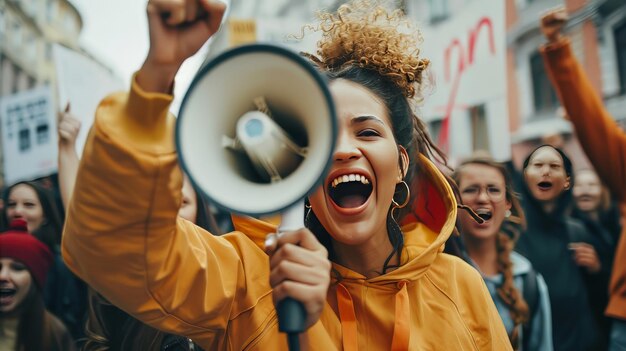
[603,141]
[123,237]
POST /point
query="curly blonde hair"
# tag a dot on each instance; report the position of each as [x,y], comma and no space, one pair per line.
[365,33]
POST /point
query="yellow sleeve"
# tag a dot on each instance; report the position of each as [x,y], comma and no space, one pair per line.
[123,237]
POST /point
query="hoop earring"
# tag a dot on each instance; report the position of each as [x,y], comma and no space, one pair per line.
[395,204]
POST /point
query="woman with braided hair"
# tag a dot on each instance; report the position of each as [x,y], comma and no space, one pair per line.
[486,187]
[366,282]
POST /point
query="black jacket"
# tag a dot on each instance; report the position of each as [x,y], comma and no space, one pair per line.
[545,244]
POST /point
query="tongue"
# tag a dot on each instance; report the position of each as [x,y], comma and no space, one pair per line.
[351,201]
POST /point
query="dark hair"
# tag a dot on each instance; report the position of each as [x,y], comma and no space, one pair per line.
[505,240]
[110,328]
[37,328]
[51,229]
[204,218]
[409,132]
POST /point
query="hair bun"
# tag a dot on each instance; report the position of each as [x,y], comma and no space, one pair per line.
[366,34]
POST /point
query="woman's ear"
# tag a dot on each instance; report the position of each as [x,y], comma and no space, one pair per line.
[568,183]
[403,163]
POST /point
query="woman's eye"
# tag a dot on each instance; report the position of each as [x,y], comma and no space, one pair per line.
[18,266]
[368,133]
[495,190]
[469,191]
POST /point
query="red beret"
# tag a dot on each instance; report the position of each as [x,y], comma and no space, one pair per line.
[25,248]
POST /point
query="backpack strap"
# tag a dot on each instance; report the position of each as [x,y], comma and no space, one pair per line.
[531,296]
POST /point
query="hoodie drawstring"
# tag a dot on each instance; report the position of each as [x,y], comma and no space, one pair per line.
[347,316]
[348,319]
[402,324]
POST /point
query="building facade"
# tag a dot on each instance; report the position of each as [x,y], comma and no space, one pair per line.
[597,29]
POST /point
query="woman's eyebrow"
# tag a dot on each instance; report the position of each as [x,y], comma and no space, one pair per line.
[366,118]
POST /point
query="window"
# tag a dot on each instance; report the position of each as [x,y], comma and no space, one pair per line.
[30,47]
[3,25]
[69,24]
[49,52]
[620,48]
[17,34]
[543,92]
[438,10]
[480,129]
[51,10]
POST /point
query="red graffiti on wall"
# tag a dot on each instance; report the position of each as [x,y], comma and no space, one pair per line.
[464,62]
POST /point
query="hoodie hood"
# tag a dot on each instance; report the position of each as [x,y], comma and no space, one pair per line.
[425,229]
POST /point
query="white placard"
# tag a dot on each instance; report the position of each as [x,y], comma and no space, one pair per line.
[29,135]
[468,55]
[83,83]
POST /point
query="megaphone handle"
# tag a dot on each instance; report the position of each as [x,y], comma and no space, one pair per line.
[291,313]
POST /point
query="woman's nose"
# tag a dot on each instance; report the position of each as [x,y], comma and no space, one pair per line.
[346,150]
[4,272]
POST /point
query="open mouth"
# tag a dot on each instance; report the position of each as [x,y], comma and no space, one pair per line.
[484,214]
[545,185]
[6,294]
[350,190]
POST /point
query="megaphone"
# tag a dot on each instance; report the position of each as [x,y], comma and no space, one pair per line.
[256,132]
[221,93]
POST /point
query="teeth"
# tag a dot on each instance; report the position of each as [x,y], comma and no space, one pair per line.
[349,178]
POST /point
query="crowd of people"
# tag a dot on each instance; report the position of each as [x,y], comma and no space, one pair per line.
[119,251]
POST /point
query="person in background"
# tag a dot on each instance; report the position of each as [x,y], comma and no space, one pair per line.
[601,139]
[25,324]
[392,288]
[64,295]
[31,202]
[559,247]
[593,207]
[520,294]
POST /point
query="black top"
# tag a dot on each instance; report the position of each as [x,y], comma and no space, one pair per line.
[545,244]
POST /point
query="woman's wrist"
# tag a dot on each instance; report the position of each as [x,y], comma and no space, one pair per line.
[157,78]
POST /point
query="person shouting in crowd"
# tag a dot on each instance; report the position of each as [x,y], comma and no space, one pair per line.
[559,247]
[520,294]
[601,139]
[389,288]
[64,295]
[25,324]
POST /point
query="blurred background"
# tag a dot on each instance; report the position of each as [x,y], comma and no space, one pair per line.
[488,88]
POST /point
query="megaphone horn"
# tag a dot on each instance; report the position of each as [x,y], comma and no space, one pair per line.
[277,148]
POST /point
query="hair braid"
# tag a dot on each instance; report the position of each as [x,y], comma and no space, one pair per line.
[518,308]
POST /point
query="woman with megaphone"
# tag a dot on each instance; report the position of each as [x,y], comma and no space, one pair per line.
[365,281]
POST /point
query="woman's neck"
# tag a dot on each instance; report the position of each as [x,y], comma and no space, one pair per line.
[483,252]
[8,325]
[548,206]
[593,215]
[367,258]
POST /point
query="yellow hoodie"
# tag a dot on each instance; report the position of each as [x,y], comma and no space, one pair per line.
[123,238]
